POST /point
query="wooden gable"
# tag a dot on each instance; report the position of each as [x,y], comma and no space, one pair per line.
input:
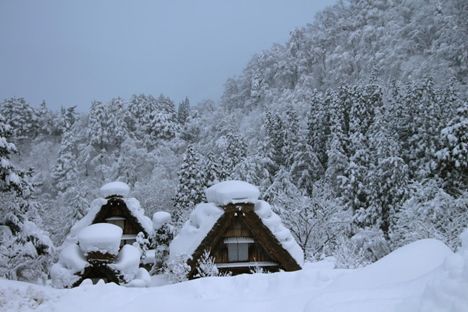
[240,224]
[116,211]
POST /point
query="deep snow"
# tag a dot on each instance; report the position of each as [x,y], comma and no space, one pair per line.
[402,281]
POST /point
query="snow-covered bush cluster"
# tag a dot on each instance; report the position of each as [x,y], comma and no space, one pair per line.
[356,127]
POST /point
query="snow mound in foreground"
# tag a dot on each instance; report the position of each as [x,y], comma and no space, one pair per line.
[233,191]
[383,285]
[405,263]
[102,237]
[114,188]
[201,221]
[436,285]
[448,290]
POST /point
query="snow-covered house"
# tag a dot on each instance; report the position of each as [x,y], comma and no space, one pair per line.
[240,231]
[115,207]
[99,246]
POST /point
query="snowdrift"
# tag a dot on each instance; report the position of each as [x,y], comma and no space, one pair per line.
[422,276]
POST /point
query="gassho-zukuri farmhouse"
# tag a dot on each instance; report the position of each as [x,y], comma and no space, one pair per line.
[238,230]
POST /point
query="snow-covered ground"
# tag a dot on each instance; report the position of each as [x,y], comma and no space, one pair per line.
[423,276]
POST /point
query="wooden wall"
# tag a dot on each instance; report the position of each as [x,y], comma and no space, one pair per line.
[116,207]
[238,229]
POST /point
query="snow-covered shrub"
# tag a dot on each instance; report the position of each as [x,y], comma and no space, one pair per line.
[177,269]
[365,247]
[164,233]
[258,270]
[142,243]
[25,250]
[206,265]
[431,213]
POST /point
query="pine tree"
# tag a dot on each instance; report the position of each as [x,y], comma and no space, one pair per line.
[11,179]
[65,172]
[139,107]
[234,153]
[275,137]
[24,249]
[164,233]
[213,170]
[337,158]
[424,117]
[318,125]
[21,118]
[98,131]
[291,136]
[191,186]
[452,157]
[45,119]
[388,191]
[159,121]
[69,117]
[306,168]
[115,123]
[254,169]
[183,111]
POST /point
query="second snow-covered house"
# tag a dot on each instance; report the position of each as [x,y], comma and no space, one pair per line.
[239,231]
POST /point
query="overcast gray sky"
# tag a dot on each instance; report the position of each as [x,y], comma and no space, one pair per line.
[72,52]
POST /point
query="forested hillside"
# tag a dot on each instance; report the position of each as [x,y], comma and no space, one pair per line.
[356,130]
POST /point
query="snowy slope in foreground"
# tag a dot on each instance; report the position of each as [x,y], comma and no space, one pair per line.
[395,283]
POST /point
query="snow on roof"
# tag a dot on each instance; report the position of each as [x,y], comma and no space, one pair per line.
[133,206]
[103,237]
[201,221]
[115,188]
[204,217]
[128,262]
[139,213]
[160,218]
[88,219]
[232,192]
[273,222]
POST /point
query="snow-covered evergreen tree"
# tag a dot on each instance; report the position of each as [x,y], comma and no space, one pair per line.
[163,235]
[213,170]
[25,250]
[206,266]
[116,121]
[21,118]
[191,186]
[65,172]
[452,157]
[98,131]
[306,168]
[183,111]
